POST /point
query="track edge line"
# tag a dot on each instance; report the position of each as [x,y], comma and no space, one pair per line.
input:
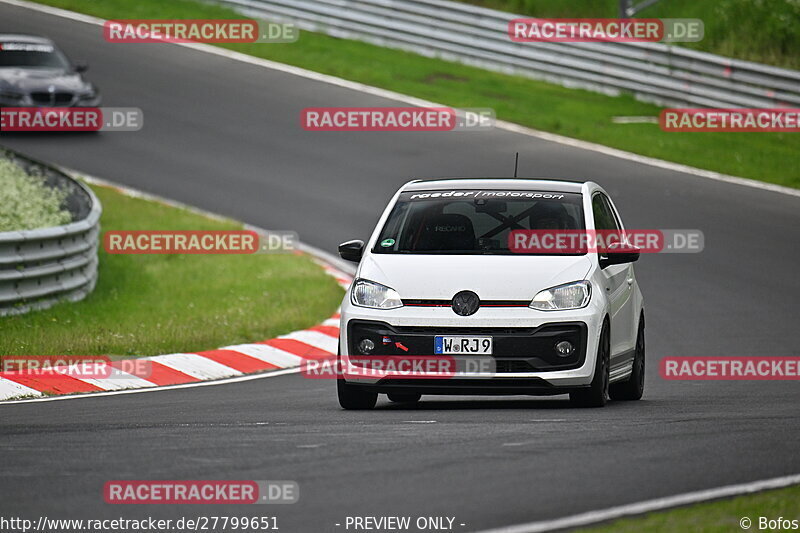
[647,506]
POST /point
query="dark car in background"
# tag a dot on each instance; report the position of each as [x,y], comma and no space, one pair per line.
[35,73]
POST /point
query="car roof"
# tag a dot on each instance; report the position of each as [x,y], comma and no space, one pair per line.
[24,38]
[511,184]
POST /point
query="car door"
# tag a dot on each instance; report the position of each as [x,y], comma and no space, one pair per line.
[630,315]
[618,281]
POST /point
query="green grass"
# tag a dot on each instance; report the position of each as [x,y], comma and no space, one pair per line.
[26,202]
[766,31]
[154,304]
[715,517]
[772,157]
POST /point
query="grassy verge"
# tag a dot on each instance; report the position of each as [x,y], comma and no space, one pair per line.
[772,157]
[716,517]
[766,32]
[154,304]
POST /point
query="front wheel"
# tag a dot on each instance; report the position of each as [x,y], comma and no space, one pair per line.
[596,394]
[633,387]
[352,397]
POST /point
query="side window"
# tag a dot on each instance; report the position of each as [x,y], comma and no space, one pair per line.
[603,214]
[598,211]
[610,210]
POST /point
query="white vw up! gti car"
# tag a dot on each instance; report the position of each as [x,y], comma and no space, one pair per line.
[439,277]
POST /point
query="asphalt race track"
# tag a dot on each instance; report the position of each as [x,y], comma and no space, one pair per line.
[225,136]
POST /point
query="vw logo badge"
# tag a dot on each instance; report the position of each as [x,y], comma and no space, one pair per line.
[466,303]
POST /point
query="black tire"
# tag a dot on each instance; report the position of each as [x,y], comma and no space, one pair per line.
[632,388]
[354,398]
[596,395]
[404,397]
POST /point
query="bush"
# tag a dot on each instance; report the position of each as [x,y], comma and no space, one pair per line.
[26,202]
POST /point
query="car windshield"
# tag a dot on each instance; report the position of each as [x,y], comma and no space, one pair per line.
[472,222]
[31,55]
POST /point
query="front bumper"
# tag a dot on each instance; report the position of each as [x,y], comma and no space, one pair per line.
[70,100]
[516,350]
[523,338]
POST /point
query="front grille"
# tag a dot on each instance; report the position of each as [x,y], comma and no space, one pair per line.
[63,98]
[58,99]
[41,98]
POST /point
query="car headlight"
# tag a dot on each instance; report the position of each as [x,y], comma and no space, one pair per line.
[569,296]
[91,95]
[10,96]
[374,295]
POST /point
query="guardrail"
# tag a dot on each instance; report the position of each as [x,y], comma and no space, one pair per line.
[41,267]
[660,73]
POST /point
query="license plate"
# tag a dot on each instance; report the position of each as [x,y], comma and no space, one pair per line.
[450,345]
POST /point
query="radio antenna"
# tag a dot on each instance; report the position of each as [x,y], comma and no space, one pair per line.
[516,164]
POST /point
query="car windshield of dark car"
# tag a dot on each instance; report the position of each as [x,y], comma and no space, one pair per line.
[471,222]
[27,55]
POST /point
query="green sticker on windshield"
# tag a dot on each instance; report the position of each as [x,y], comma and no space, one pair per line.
[387,242]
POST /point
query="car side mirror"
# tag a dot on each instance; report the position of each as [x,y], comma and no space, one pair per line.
[619,254]
[81,66]
[351,250]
